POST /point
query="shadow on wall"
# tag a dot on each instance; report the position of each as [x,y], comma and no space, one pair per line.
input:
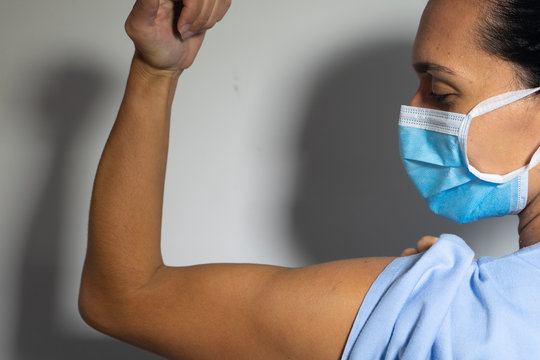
[62,108]
[352,197]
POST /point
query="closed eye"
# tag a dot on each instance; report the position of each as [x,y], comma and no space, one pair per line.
[439,97]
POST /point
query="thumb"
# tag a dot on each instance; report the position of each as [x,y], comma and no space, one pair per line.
[144,13]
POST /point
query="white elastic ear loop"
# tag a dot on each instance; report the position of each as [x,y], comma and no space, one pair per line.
[486,106]
[498,101]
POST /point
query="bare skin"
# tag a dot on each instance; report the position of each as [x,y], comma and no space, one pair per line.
[238,311]
[422,245]
[215,311]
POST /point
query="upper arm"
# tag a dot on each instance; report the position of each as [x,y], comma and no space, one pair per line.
[249,311]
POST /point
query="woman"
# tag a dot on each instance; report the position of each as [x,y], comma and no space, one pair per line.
[438,304]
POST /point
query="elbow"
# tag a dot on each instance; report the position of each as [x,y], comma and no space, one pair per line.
[115,313]
[101,310]
[94,309]
[111,309]
[113,304]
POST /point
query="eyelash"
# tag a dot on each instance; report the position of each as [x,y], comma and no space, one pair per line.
[441,98]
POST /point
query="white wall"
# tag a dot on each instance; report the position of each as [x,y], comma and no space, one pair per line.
[283,150]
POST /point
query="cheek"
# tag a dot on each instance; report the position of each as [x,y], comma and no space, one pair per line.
[493,143]
[481,146]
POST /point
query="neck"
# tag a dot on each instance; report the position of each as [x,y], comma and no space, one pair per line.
[529,219]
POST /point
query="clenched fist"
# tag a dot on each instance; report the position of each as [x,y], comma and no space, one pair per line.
[168,33]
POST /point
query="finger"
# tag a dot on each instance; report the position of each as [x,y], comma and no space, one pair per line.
[204,16]
[144,13]
[189,14]
[426,242]
[219,10]
[408,252]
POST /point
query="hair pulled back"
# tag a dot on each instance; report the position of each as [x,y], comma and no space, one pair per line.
[511,31]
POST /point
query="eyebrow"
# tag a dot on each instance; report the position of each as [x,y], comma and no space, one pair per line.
[424,67]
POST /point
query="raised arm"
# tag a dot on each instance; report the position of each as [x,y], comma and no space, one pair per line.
[199,312]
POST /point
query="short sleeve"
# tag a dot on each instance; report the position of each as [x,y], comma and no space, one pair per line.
[405,306]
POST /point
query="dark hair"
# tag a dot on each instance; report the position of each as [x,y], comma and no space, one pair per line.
[511,31]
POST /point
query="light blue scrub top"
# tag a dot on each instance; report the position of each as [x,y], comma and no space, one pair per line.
[443,304]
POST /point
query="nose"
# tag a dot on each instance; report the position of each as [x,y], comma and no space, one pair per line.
[416,99]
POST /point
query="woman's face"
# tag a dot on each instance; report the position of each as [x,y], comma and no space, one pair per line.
[455,75]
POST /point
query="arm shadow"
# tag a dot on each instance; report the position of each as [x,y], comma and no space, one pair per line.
[62,105]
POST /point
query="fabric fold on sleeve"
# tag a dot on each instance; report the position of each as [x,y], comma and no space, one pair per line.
[402,313]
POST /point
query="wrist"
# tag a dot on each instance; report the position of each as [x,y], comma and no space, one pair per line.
[140,66]
[151,83]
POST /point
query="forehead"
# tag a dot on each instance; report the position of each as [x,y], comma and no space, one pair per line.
[446,34]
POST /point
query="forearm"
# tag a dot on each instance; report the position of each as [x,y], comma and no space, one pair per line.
[126,206]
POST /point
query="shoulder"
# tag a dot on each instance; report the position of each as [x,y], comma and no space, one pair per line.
[406,305]
[446,304]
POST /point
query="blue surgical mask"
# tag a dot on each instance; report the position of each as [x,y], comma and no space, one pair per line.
[433,148]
